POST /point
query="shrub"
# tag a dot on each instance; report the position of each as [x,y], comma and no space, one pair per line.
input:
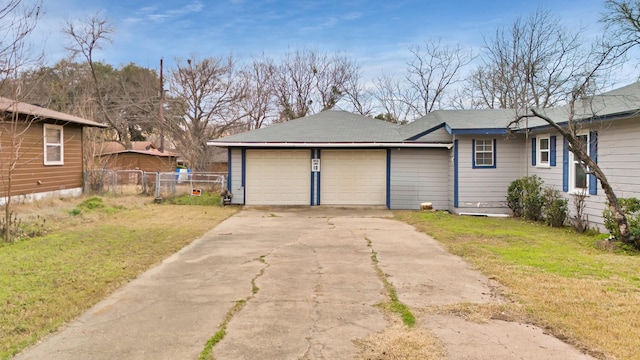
[555,208]
[631,208]
[525,197]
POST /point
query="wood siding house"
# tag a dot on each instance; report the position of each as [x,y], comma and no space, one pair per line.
[143,155]
[41,150]
[461,161]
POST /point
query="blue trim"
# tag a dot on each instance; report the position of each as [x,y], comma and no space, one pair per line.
[426,132]
[319,178]
[623,115]
[229,169]
[473,156]
[565,164]
[497,131]
[552,150]
[593,154]
[388,200]
[533,151]
[313,154]
[448,128]
[244,176]
[455,173]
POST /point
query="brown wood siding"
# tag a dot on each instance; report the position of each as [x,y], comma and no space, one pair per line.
[144,162]
[31,175]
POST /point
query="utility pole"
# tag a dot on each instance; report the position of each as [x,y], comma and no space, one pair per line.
[161,110]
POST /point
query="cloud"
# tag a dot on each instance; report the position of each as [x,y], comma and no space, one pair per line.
[158,16]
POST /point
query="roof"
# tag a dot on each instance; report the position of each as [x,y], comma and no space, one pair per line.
[461,121]
[620,102]
[326,126]
[12,106]
[137,147]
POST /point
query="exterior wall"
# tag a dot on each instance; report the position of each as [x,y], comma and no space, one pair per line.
[144,162]
[419,175]
[484,190]
[235,175]
[618,158]
[31,176]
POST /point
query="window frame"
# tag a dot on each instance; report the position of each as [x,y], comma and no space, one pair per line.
[540,151]
[47,145]
[492,151]
[572,168]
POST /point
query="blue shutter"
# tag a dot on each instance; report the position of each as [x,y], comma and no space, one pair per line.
[533,151]
[565,165]
[593,154]
[552,151]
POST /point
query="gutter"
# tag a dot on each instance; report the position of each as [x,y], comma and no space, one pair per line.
[329,145]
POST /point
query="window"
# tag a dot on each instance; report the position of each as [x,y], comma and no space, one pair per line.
[544,151]
[53,150]
[484,152]
[577,171]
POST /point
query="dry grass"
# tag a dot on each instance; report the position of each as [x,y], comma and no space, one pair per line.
[553,278]
[401,342]
[85,255]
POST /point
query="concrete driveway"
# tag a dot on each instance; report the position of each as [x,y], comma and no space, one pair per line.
[307,287]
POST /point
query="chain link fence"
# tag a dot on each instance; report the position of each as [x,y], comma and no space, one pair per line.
[158,184]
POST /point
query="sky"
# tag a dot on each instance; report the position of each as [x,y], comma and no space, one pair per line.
[377,34]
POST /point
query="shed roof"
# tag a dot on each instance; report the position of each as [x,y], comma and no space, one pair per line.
[137,147]
[12,106]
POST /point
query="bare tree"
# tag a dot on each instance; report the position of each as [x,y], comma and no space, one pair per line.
[432,70]
[259,103]
[209,92]
[358,98]
[532,63]
[18,19]
[86,37]
[580,109]
[307,82]
[623,21]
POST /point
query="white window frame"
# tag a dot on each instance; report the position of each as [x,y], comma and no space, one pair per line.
[539,151]
[48,145]
[491,151]
[572,169]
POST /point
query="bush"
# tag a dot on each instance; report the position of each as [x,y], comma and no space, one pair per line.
[631,209]
[555,208]
[525,197]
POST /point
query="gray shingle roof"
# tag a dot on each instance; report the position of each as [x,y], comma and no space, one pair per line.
[460,120]
[326,126]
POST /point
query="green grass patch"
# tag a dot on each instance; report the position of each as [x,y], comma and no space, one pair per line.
[205,199]
[48,280]
[394,305]
[561,280]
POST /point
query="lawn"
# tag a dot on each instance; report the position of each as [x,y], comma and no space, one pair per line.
[555,278]
[90,249]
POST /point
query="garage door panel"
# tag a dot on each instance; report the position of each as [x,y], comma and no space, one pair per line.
[278,177]
[353,177]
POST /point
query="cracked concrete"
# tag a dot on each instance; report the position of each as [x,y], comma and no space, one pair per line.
[317,294]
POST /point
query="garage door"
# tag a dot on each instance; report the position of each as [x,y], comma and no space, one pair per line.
[353,177]
[278,177]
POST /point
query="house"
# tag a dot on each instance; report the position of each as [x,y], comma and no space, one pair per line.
[459,160]
[41,151]
[143,155]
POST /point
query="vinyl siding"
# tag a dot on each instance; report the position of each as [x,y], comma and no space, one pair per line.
[31,176]
[419,175]
[235,169]
[484,190]
[551,175]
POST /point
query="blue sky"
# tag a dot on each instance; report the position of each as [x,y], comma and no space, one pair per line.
[375,33]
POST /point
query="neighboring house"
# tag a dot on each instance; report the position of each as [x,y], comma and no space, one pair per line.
[42,151]
[459,160]
[143,155]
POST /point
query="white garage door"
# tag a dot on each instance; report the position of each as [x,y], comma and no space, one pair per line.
[353,177]
[278,177]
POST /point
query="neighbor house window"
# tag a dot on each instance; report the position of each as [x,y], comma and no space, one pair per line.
[484,152]
[53,149]
[544,151]
[577,170]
